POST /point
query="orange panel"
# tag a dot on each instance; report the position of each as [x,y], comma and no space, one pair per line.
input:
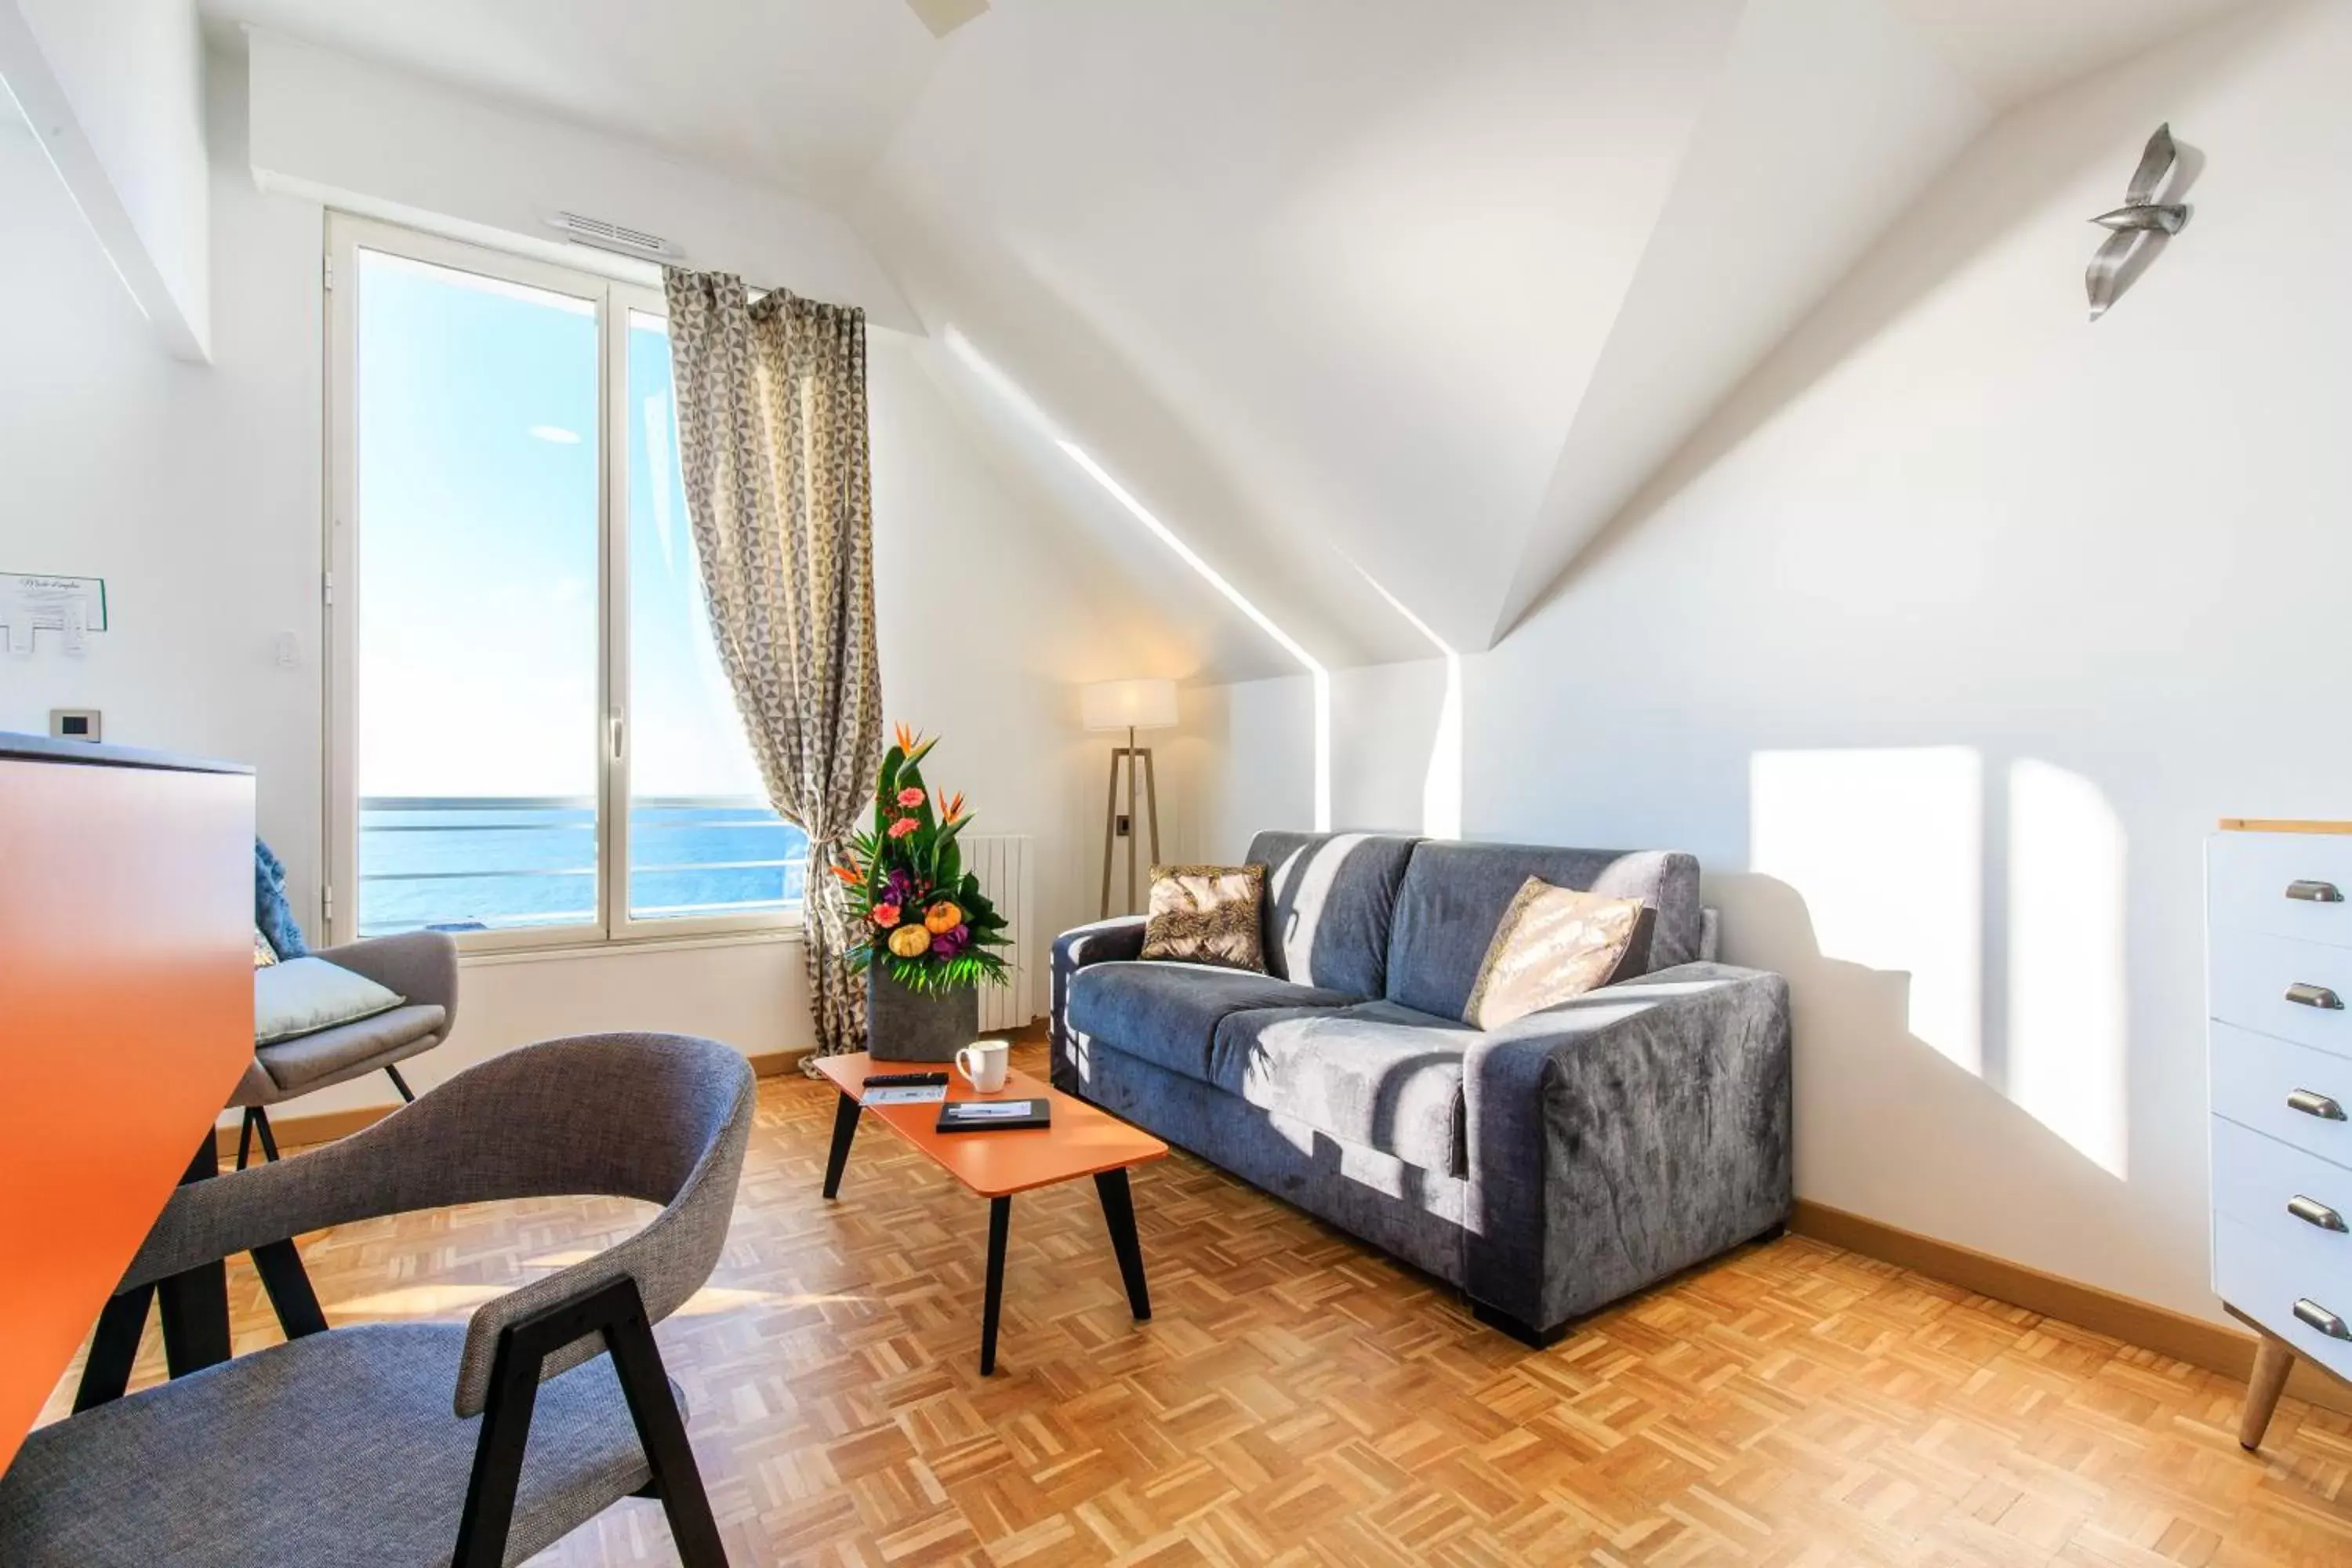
[126,1015]
[1082,1140]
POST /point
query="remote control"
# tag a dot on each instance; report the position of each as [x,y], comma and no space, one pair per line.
[894,1080]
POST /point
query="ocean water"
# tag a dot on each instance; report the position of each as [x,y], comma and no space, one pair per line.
[486,864]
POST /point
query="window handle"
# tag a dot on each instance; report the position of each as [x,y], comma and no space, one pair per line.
[616,733]
[2307,996]
[2318,1105]
[2315,892]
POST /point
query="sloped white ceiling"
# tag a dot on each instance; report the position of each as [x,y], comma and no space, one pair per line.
[2013,50]
[1327,331]
[1830,117]
[1321,284]
[797,93]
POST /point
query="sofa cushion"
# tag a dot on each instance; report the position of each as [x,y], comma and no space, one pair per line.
[303,995]
[1167,1014]
[1328,899]
[1208,914]
[1374,1074]
[1454,896]
[1554,945]
[330,1056]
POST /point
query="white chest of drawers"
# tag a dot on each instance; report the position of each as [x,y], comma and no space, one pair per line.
[2278,923]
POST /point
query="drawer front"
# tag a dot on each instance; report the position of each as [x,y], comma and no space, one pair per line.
[2255,974]
[2293,1093]
[2261,1183]
[2248,875]
[2266,1284]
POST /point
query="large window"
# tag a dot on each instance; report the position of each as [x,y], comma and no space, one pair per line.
[532,739]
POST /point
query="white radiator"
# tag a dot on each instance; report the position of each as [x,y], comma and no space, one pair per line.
[1001,862]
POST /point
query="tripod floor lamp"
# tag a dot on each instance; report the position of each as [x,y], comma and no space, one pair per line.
[1129,705]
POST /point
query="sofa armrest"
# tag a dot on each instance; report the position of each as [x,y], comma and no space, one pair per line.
[1118,940]
[1624,1136]
[421,965]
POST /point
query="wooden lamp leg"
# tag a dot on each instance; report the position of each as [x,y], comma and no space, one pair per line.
[2273,1359]
[1110,829]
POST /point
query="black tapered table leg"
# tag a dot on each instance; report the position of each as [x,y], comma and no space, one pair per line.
[845,1128]
[106,1372]
[1118,1212]
[194,1305]
[999,1223]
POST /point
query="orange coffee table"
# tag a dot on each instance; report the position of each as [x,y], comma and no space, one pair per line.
[1082,1141]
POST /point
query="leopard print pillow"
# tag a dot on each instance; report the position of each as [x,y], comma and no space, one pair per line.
[1206,914]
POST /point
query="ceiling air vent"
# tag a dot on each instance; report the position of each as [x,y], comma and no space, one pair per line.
[613,236]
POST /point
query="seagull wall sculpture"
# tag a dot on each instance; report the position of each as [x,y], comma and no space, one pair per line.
[2141,217]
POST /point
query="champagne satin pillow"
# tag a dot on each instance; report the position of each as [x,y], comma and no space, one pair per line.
[1553,944]
[1206,914]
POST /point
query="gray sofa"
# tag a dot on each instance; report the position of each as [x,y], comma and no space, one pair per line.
[1546,1168]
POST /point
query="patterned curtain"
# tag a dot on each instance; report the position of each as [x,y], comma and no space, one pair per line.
[773,439]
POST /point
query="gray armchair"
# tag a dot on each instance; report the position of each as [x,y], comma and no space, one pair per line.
[422,966]
[473,1444]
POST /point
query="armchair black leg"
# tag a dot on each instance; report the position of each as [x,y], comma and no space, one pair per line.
[194,1305]
[399,1083]
[845,1128]
[288,1285]
[106,1373]
[259,1119]
[618,1312]
[245,1137]
[677,1480]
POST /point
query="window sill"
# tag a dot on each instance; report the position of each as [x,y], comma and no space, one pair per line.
[555,953]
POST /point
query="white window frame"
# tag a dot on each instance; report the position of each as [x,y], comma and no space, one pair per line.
[613,300]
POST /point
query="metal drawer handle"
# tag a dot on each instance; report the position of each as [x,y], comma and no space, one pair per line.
[2318,1105]
[2314,996]
[2320,1318]
[2311,1211]
[2315,892]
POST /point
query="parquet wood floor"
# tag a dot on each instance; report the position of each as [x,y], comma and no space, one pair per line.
[1299,1399]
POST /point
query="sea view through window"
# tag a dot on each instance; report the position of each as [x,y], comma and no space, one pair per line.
[532,637]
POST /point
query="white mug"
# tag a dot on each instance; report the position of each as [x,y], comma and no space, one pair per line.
[985,1062]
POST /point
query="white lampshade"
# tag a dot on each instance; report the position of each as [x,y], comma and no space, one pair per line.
[1129,704]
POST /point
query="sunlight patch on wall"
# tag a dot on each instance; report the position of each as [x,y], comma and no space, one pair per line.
[1026,408]
[1209,574]
[1440,787]
[1886,848]
[2067,999]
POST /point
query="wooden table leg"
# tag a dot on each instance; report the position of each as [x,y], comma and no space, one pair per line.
[845,1128]
[1000,1222]
[1118,1212]
[2273,1359]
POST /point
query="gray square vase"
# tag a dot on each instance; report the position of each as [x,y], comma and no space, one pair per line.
[903,1025]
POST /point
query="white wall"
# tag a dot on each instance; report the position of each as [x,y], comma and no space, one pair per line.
[195,492]
[130,74]
[375,139]
[1946,642]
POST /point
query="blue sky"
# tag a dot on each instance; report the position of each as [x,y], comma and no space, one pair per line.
[477,540]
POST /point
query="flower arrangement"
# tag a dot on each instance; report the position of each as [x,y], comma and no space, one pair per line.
[920,915]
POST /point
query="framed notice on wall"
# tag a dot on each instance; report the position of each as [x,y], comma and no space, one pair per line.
[31,603]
